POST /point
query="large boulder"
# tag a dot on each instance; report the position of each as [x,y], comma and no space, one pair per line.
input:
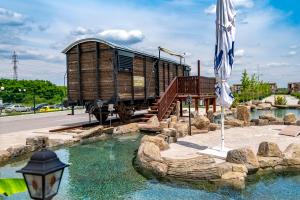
[269,149]
[182,129]
[149,128]
[202,167]
[243,114]
[195,131]
[269,117]
[164,124]
[243,156]
[234,122]
[153,121]
[19,150]
[201,122]
[213,127]
[256,102]
[4,156]
[269,162]
[126,129]
[149,159]
[37,142]
[210,115]
[290,118]
[278,121]
[260,122]
[264,106]
[170,132]
[292,154]
[173,118]
[158,141]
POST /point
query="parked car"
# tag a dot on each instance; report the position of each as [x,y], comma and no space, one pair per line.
[50,108]
[7,105]
[39,106]
[17,108]
[60,106]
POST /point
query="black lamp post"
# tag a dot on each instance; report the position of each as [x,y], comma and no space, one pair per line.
[43,174]
[189,101]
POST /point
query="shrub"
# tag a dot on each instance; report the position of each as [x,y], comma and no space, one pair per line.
[280,100]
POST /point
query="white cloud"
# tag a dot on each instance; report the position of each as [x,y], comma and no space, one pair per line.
[8,17]
[211,10]
[81,31]
[243,3]
[122,36]
[294,46]
[277,64]
[292,53]
[239,53]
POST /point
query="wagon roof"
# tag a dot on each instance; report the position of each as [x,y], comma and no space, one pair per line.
[119,47]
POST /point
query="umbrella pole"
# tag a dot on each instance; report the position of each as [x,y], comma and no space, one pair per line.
[222,128]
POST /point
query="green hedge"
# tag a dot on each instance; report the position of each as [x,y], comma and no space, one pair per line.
[296,94]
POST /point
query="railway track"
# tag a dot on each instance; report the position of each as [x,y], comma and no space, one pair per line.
[114,122]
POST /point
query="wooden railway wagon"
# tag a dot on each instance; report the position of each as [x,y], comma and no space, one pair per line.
[118,75]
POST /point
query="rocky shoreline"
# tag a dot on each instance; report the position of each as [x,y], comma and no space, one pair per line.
[232,171]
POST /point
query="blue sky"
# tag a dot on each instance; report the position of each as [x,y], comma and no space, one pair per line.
[267,38]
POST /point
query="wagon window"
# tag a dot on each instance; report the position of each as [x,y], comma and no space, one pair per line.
[125,61]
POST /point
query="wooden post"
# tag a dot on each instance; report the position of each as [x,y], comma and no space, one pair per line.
[214,105]
[178,109]
[206,105]
[181,112]
[196,104]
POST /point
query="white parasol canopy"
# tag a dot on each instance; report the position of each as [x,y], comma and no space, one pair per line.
[224,55]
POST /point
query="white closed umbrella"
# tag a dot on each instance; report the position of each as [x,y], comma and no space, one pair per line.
[224,55]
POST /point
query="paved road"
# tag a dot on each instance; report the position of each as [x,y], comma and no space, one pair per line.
[41,120]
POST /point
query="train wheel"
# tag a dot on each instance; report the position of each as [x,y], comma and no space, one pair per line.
[125,113]
[104,116]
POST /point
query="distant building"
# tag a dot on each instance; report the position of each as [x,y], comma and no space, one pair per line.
[294,87]
[273,87]
[237,88]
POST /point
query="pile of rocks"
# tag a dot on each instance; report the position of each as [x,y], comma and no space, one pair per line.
[201,168]
[270,119]
[232,172]
[36,143]
[269,158]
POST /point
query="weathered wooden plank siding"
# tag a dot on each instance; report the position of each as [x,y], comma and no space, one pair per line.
[161,86]
[106,72]
[124,79]
[150,74]
[166,76]
[88,70]
[138,71]
[180,70]
[72,76]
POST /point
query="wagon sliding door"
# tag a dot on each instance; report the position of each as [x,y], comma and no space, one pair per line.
[88,71]
[125,70]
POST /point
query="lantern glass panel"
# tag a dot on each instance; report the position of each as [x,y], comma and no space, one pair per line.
[52,181]
[34,184]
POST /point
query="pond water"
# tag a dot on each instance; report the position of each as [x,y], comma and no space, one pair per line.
[277,112]
[103,170]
